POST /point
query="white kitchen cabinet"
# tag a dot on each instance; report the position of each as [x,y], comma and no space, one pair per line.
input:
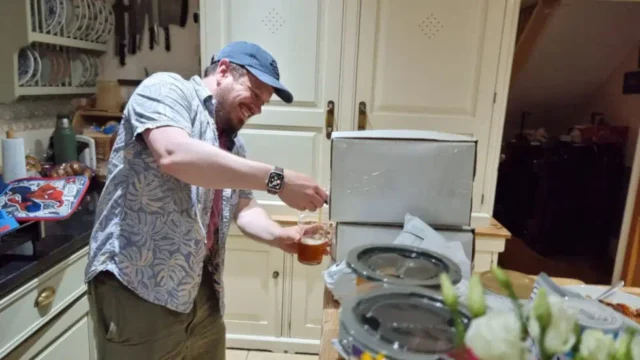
[414,64]
[430,65]
[56,327]
[69,336]
[253,279]
[307,294]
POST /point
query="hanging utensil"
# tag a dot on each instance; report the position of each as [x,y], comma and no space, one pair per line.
[153,24]
[119,10]
[133,27]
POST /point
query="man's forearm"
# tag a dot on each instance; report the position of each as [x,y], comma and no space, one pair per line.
[201,164]
[255,223]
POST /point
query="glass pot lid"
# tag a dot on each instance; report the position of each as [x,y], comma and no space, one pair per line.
[401,265]
[401,322]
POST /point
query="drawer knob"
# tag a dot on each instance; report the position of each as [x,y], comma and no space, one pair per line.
[45,297]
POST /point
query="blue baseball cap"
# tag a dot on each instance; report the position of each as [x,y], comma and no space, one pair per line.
[257,61]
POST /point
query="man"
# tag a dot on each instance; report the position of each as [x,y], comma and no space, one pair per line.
[157,249]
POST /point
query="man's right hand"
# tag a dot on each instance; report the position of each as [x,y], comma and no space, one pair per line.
[301,192]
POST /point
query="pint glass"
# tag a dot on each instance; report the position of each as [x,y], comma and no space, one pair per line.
[316,232]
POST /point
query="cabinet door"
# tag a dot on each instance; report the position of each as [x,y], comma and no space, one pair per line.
[72,345]
[68,336]
[253,276]
[305,38]
[430,65]
[307,296]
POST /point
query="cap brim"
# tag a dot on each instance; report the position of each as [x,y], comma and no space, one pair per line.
[278,88]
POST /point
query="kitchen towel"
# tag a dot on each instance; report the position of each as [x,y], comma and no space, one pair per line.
[35,199]
[14,163]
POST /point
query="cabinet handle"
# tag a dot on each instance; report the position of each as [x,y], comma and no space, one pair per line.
[329,119]
[362,116]
[275,275]
[45,297]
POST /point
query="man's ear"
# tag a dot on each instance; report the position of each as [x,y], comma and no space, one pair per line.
[224,68]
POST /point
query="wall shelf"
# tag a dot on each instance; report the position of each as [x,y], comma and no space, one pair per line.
[53,90]
[61,41]
[26,26]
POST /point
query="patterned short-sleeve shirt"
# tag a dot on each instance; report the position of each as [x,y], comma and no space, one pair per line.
[150,229]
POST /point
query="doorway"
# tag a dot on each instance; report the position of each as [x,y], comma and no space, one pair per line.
[569,139]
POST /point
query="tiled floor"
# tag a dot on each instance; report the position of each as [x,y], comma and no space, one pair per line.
[259,355]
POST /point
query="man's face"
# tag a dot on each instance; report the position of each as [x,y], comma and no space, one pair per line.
[238,97]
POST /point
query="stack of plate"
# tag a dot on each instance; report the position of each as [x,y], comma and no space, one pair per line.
[88,20]
[51,67]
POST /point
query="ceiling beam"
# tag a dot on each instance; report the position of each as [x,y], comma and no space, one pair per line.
[531,34]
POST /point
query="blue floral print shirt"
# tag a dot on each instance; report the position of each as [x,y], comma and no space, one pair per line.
[150,229]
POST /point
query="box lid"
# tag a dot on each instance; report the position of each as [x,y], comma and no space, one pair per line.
[402,134]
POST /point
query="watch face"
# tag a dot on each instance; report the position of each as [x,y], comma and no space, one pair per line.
[275,181]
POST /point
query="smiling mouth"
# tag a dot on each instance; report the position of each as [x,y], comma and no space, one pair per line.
[246,112]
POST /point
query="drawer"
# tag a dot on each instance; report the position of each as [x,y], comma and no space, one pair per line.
[20,315]
[490,244]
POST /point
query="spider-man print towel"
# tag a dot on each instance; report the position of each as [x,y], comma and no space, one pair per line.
[33,199]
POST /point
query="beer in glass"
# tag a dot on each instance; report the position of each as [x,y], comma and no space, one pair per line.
[315,235]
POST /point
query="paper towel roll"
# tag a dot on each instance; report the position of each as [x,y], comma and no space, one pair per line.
[14,164]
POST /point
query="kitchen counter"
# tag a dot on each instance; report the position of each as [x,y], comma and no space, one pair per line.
[62,239]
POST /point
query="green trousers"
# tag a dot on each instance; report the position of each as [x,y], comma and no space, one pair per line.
[129,327]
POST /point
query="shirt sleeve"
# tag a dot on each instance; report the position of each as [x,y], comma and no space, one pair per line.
[241,151]
[161,100]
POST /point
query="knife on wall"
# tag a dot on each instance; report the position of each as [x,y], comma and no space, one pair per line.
[119,10]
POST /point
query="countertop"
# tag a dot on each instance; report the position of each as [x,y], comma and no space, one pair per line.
[62,239]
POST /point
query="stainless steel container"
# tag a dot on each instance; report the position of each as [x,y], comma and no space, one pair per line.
[402,323]
[400,265]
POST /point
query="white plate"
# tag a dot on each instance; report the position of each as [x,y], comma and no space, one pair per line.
[50,11]
[88,29]
[45,69]
[73,17]
[25,65]
[76,70]
[84,19]
[110,25]
[36,68]
[86,70]
[61,18]
[101,16]
[618,297]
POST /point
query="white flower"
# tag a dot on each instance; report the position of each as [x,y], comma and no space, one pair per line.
[596,345]
[496,336]
[560,336]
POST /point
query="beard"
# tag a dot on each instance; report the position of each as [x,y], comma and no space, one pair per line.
[223,118]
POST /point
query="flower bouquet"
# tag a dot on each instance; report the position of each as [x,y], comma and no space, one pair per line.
[546,330]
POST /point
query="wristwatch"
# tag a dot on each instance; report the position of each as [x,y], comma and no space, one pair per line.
[275,180]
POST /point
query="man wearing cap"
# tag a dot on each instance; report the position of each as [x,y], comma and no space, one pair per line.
[177,177]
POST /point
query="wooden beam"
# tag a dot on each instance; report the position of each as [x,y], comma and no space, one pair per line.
[531,34]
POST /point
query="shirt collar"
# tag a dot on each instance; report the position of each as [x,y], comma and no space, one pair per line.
[206,98]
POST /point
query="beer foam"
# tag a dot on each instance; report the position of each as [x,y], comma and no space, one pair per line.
[312,241]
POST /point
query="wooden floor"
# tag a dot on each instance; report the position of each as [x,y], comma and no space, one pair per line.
[259,355]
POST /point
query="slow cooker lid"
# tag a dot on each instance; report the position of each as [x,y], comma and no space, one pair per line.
[402,264]
[402,321]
